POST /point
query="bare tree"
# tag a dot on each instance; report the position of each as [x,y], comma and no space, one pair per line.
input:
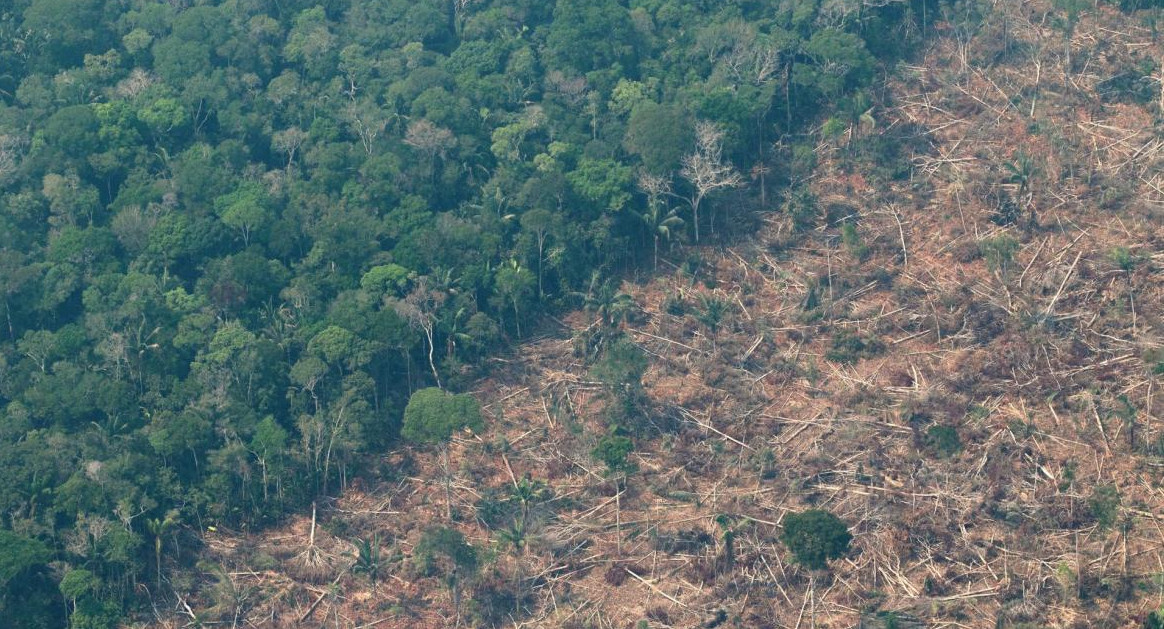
[432,141]
[367,122]
[420,309]
[706,169]
[460,11]
[288,142]
[573,90]
[11,148]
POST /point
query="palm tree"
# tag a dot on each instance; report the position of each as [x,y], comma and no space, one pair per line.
[604,299]
[159,527]
[659,225]
[455,333]
[368,560]
[714,311]
[1021,171]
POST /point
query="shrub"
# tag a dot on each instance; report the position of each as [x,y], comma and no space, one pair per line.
[1105,505]
[444,544]
[943,440]
[674,305]
[848,347]
[613,449]
[999,253]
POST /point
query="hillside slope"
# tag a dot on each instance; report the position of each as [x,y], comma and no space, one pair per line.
[966,374]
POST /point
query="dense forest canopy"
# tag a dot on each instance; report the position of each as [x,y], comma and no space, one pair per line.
[236,236]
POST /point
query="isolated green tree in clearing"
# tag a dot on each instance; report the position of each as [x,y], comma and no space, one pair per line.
[431,418]
[814,537]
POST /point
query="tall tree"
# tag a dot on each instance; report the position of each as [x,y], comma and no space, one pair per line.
[706,169]
[431,418]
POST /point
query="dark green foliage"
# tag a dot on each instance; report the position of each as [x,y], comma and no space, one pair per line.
[851,238]
[849,347]
[815,537]
[621,367]
[613,449]
[36,603]
[21,559]
[674,305]
[659,135]
[368,560]
[801,207]
[943,440]
[1154,620]
[446,549]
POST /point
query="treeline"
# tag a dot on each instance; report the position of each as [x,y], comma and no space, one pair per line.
[235,236]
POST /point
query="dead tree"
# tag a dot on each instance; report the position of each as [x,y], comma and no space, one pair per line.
[706,169]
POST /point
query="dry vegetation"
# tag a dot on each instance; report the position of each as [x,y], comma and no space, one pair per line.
[958,378]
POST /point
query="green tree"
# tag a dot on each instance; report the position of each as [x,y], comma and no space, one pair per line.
[614,450]
[245,210]
[1104,503]
[659,220]
[269,444]
[814,537]
[839,62]
[539,222]
[604,182]
[713,311]
[431,418]
[587,35]
[659,135]
[514,284]
[1072,11]
[19,554]
[81,588]
[159,528]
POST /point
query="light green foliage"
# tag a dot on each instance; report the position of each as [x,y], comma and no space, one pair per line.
[627,95]
[433,415]
[999,253]
[387,279]
[604,182]
[1124,259]
[245,209]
